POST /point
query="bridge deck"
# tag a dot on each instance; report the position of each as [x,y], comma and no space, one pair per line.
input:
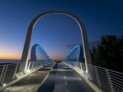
[64,79]
[31,83]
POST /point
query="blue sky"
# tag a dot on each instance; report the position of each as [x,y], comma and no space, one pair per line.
[54,32]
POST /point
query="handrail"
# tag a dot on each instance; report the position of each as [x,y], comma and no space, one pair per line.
[109,80]
[8,72]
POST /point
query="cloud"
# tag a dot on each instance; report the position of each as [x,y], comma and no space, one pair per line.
[91,44]
[70,46]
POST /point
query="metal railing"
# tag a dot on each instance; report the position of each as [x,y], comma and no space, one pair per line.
[8,72]
[109,80]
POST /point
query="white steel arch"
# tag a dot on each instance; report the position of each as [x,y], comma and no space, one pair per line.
[26,48]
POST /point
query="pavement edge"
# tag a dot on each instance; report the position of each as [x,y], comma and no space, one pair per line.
[92,85]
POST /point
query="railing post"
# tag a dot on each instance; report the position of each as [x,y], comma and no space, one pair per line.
[77,64]
[32,65]
[81,66]
[109,80]
[4,73]
[97,77]
[29,64]
[15,71]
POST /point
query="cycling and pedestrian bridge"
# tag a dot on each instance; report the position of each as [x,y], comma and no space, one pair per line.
[75,74]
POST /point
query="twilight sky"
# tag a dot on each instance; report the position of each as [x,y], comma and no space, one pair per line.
[55,32]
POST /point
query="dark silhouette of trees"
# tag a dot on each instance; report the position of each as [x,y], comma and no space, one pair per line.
[109,53]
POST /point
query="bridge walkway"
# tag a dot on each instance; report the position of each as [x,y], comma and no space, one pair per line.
[64,79]
[32,82]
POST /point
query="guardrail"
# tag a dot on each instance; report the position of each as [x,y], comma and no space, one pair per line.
[109,80]
[9,72]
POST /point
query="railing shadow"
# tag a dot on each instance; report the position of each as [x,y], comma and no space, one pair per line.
[49,84]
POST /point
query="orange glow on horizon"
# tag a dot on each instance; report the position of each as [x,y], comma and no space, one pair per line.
[10,56]
[57,58]
[9,53]
[14,55]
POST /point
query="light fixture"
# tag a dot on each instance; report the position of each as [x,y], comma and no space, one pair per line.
[28,71]
[4,84]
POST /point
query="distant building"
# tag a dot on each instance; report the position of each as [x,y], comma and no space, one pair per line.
[38,53]
[76,54]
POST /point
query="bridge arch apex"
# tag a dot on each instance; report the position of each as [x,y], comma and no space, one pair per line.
[25,54]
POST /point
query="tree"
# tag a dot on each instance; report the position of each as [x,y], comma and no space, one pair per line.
[109,53]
